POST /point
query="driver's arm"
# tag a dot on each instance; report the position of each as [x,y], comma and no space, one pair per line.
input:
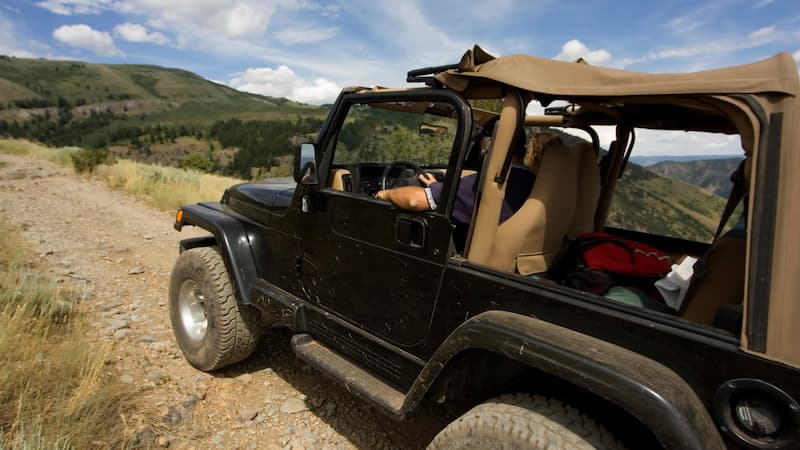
[413,198]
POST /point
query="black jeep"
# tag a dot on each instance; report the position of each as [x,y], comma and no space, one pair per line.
[401,305]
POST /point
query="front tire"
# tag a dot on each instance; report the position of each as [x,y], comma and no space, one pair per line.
[212,328]
[524,421]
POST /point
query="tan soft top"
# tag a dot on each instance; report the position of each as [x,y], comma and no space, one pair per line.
[777,74]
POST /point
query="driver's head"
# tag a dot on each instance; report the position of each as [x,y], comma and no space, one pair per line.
[539,142]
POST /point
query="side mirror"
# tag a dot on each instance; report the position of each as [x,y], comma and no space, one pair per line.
[305,165]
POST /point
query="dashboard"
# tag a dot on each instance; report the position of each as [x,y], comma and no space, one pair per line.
[369,178]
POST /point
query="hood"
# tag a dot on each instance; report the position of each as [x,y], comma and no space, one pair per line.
[252,199]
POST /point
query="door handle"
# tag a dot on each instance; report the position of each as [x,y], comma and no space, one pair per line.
[411,231]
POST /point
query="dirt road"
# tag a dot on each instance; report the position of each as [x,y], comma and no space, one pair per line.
[118,254]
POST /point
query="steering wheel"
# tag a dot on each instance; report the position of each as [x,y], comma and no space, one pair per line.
[406,181]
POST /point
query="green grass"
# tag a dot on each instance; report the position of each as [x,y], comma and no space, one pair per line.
[61,155]
[54,389]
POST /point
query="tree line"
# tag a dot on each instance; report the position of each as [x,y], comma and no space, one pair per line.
[260,143]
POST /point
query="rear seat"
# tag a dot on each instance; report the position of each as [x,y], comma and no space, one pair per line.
[719,281]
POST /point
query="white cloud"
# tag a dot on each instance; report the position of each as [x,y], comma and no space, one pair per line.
[661,142]
[9,43]
[245,19]
[83,36]
[133,32]
[236,20]
[762,33]
[763,3]
[69,7]
[797,56]
[575,49]
[283,82]
[717,47]
[406,31]
[290,36]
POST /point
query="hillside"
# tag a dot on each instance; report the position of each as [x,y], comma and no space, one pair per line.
[712,175]
[160,94]
[650,202]
[151,114]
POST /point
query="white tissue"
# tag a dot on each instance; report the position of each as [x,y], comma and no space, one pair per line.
[673,287]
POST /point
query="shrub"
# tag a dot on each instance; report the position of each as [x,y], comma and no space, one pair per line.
[87,159]
[201,162]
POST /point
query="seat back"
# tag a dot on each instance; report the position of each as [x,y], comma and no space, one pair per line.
[718,281]
[340,180]
[530,240]
[588,190]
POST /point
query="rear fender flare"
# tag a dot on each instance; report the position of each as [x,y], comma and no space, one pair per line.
[236,238]
[648,390]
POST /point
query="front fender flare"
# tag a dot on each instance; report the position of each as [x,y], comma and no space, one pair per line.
[236,239]
[650,391]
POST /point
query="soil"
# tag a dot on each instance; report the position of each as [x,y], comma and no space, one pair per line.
[117,254]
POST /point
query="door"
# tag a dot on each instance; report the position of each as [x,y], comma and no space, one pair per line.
[366,260]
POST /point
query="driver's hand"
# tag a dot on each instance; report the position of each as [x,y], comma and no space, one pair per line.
[426,178]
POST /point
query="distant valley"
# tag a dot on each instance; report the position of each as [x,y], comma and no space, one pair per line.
[712,175]
[649,160]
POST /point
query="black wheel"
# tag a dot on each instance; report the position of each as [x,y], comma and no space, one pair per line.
[212,329]
[523,421]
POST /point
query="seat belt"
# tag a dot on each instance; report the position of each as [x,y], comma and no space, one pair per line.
[736,195]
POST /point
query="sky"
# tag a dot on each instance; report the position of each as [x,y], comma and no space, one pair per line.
[307,50]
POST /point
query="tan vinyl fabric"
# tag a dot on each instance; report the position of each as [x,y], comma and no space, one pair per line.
[721,284]
[337,179]
[588,190]
[530,240]
[784,308]
[492,193]
[777,74]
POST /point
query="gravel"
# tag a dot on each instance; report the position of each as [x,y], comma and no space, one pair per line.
[118,253]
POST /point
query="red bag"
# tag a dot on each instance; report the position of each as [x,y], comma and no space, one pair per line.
[615,255]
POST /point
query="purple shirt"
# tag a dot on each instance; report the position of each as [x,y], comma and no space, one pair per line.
[520,183]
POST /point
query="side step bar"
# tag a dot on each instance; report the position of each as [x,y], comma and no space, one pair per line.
[354,378]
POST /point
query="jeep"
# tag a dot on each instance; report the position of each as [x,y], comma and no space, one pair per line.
[401,305]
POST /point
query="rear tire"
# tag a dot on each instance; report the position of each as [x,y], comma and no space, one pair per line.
[524,421]
[211,327]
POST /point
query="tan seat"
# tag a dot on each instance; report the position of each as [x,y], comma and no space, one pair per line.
[588,190]
[718,278]
[720,282]
[529,241]
[337,179]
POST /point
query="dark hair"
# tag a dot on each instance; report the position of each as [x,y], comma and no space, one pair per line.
[518,145]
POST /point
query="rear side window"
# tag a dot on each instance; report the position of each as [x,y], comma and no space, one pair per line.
[676,184]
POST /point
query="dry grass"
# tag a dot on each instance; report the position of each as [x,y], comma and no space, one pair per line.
[165,188]
[59,155]
[54,392]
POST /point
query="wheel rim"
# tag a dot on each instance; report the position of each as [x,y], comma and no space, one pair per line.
[192,308]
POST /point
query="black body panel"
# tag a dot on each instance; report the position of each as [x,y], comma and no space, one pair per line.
[236,237]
